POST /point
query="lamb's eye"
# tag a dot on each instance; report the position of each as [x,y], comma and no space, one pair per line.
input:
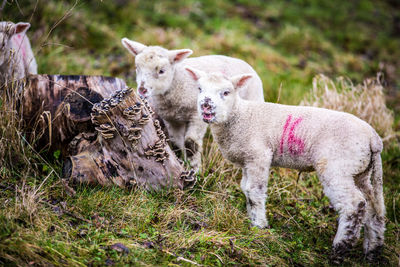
[226,93]
[161,71]
[199,88]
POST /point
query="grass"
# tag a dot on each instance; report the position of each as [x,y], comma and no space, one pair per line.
[367,101]
[288,43]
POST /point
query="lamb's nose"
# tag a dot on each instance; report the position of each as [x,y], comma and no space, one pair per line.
[206,103]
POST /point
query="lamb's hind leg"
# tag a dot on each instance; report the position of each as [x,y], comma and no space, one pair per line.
[254,185]
[348,200]
[375,213]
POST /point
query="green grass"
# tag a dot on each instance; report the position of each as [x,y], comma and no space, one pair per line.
[287,42]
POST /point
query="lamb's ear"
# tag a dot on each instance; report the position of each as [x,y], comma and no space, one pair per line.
[239,81]
[133,47]
[20,27]
[195,73]
[176,56]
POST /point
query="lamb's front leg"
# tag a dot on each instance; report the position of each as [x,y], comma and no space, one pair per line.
[254,185]
[176,134]
[194,142]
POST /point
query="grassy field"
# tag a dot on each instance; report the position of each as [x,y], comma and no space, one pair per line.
[288,43]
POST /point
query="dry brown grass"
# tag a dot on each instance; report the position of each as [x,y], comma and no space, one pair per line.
[8,124]
[28,198]
[15,151]
[366,101]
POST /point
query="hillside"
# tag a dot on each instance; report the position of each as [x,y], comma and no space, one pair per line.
[287,42]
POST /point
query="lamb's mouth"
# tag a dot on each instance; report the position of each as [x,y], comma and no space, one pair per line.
[143,91]
[208,116]
[207,112]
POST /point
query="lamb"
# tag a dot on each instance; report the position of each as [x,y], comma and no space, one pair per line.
[16,56]
[342,149]
[161,77]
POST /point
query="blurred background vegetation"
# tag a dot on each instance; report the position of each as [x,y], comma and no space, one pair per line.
[287,43]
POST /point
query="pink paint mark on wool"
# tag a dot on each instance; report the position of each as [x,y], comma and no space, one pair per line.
[18,40]
[295,144]
[284,132]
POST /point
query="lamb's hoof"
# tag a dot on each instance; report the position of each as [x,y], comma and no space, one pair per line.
[260,224]
[339,252]
[374,255]
[191,147]
[335,259]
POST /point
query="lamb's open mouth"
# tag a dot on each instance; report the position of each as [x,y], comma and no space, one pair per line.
[208,117]
[207,113]
[142,91]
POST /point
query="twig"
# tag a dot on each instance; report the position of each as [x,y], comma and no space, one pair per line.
[59,44]
[67,212]
[66,15]
[297,181]
[279,93]
[218,257]
[2,5]
[211,192]
[292,218]
[394,212]
[19,8]
[179,258]
[70,191]
[34,10]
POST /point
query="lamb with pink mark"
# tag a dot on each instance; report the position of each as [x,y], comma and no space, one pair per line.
[161,78]
[342,149]
[16,56]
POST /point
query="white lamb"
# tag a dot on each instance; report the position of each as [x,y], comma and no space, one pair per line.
[161,77]
[342,149]
[16,56]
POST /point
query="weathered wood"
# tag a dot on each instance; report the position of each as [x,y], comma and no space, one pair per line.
[56,108]
[128,148]
[106,131]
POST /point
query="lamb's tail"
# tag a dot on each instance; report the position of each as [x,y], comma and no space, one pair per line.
[376,143]
[376,177]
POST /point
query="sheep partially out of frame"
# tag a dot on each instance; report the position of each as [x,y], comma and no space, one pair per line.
[161,77]
[16,56]
[342,149]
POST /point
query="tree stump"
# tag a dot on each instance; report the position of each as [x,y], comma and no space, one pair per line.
[104,129]
[56,108]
